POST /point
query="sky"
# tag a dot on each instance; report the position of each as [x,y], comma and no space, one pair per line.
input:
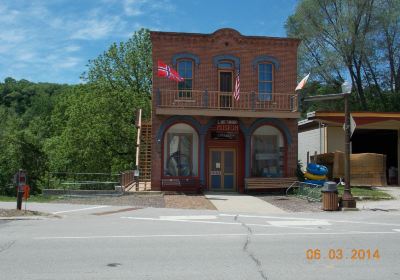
[52,40]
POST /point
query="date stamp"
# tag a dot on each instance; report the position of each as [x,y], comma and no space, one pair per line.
[343,254]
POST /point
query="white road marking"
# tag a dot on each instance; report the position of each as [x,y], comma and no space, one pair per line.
[81,209]
[193,217]
[395,229]
[214,235]
[299,223]
[266,217]
[310,219]
[140,236]
[209,222]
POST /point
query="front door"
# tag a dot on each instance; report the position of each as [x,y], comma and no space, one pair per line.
[222,169]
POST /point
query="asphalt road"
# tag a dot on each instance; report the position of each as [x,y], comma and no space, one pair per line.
[125,243]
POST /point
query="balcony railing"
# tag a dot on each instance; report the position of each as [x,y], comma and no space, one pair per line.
[248,101]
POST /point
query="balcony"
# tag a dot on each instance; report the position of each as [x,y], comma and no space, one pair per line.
[216,103]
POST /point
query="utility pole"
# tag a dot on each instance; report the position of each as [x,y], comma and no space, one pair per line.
[347,199]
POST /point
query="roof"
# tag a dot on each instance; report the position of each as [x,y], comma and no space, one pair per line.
[364,119]
[231,31]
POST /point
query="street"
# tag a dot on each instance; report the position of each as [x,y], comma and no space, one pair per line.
[109,242]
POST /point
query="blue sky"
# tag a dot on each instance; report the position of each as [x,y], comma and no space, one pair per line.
[52,40]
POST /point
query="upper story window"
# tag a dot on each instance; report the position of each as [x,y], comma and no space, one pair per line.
[265,81]
[185,70]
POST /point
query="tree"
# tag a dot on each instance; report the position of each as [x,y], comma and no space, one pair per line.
[99,117]
[335,29]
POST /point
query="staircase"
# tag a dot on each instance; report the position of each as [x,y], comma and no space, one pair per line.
[145,155]
[128,181]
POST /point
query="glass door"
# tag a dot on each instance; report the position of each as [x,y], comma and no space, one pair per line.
[222,169]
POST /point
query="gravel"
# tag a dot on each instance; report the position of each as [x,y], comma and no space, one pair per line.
[158,200]
[292,203]
[183,201]
[19,213]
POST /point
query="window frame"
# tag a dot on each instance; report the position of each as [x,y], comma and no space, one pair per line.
[185,94]
[265,96]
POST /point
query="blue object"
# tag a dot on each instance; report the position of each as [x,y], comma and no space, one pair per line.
[315,182]
[317,169]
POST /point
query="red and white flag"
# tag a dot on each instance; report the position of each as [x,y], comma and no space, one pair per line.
[164,70]
[236,93]
[302,82]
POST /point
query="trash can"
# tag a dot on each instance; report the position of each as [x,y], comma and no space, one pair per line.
[330,197]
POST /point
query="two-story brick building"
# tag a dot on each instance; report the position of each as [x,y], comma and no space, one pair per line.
[202,137]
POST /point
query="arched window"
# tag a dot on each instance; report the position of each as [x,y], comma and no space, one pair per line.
[181,144]
[185,70]
[265,81]
[267,155]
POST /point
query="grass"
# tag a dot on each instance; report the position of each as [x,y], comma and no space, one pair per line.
[366,192]
[33,198]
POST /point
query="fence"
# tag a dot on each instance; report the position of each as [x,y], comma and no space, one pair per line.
[82,181]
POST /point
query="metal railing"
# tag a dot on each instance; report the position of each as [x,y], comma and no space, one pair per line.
[311,192]
[127,179]
[82,181]
[251,101]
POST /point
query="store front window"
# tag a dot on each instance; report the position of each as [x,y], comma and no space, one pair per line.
[267,155]
[181,151]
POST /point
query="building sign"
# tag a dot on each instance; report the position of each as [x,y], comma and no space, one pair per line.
[227,125]
[225,130]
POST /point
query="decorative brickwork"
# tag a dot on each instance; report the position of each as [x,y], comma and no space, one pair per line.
[169,46]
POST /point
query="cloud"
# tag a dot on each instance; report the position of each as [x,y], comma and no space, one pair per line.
[68,62]
[72,48]
[134,7]
[140,7]
[94,28]
[52,40]
[25,56]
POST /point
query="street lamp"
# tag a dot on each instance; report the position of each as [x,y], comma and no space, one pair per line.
[346,87]
[347,199]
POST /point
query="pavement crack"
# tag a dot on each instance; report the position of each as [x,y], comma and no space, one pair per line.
[6,246]
[250,254]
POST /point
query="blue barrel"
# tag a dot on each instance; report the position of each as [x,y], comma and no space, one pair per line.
[317,169]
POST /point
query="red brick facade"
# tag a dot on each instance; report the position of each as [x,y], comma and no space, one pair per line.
[168,46]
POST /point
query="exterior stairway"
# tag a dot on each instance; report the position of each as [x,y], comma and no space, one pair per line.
[145,155]
[127,178]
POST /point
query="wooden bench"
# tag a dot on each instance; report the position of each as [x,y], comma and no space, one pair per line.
[257,183]
[184,185]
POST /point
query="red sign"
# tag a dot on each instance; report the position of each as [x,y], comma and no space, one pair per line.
[227,127]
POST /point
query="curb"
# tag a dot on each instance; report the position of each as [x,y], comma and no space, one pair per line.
[22,218]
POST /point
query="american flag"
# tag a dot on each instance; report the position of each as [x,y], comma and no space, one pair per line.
[236,93]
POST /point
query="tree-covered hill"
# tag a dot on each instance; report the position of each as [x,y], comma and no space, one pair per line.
[47,127]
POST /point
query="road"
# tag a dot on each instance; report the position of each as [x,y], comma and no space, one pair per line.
[89,242]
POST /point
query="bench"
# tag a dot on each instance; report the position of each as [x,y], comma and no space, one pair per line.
[257,183]
[184,185]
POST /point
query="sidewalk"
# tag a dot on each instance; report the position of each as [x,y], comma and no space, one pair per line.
[385,205]
[233,202]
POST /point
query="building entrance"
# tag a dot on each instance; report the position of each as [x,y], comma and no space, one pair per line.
[222,169]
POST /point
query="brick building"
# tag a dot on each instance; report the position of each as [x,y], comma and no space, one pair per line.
[202,137]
